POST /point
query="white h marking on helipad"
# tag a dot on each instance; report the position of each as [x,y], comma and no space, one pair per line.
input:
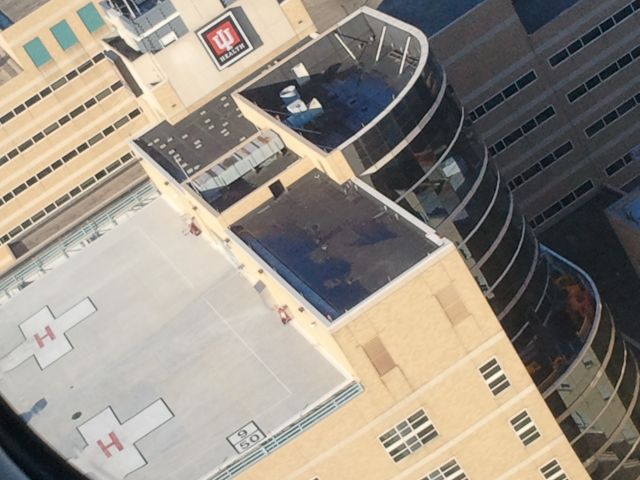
[111,445]
[45,336]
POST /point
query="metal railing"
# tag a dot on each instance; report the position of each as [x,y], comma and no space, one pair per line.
[74,241]
[288,433]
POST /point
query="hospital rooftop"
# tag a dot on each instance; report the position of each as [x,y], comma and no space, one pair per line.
[324,89]
[142,331]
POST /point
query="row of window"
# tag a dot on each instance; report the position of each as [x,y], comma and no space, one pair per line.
[623,161]
[541,165]
[408,436]
[417,430]
[562,204]
[453,471]
[63,34]
[68,157]
[449,471]
[110,169]
[525,428]
[553,471]
[609,118]
[604,74]
[494,376]
[521,131]
[60,122]
[508,92]
[604,26]
[52,87]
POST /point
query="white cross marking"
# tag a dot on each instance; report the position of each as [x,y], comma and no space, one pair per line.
[45,336]
[111,446]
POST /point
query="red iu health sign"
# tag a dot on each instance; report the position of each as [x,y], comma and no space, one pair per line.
[225,40]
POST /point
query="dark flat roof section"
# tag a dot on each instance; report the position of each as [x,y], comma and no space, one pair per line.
[535,14]
[333,243]
[430,16]
[199,139]
[341,84]
[205,135]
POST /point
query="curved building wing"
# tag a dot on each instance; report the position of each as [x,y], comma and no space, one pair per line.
[418,150]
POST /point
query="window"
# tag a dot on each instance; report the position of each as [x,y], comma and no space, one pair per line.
[502,96]
[6,117]
[120,123]
[521,131]
[618,164]
[614,167]
[19,189]
[494,376]
[76,111]
[37,52]
[59,83]
[558,58]
[525,428]
[91,18]
[622,14]
[553,471]
[25,145]
[449,471]
[584,188]
[32,101]
[103,94]
[51,128]
[594,128]
[64,35]
[408,436]
[613,115]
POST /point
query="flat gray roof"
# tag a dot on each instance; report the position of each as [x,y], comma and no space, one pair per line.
[333,243]
[16,10]
[152,347]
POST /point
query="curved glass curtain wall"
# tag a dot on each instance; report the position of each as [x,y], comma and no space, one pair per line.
[385,134]
[549,309]
[597,405]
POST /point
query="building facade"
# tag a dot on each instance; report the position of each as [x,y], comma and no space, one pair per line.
[66,115]
[69,104]
[280,136]
[551,86]
[394,122]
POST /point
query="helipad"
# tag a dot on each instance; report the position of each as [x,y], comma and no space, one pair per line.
[149,355]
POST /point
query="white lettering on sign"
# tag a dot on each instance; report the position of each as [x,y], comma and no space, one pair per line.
[225,40]
[45,336]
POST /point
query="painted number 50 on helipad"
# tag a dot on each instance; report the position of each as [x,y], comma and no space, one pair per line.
[246,437]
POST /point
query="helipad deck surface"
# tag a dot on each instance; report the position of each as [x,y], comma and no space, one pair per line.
[146,353]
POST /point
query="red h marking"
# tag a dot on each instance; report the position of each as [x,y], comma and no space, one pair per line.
[49,334]
[115,442]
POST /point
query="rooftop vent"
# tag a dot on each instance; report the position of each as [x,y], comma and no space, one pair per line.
[301,73]
[289,95]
